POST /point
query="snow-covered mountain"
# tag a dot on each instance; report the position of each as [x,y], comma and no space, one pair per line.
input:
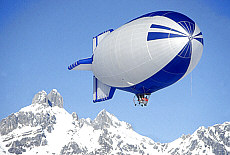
[45,127]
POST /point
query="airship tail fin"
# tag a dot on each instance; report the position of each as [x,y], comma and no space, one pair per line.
[99,37]
[101,91]
[83,64]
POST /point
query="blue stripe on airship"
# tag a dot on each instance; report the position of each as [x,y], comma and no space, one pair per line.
[186,51]
[161,35]
[79,62]
[184,21]
[200,40]
[165,28]
[198,34]
[168,75]
[151,14]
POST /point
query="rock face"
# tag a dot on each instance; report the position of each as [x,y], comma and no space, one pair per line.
[55,99]
[40,98]
[45,127]
[35,119]
[52,99]
[211,140]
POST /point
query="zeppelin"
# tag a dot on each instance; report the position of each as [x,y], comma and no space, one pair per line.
[147,54]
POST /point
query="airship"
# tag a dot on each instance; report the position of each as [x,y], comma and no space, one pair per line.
[148,53]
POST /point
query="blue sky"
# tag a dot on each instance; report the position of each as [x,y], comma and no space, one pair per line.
[39,39]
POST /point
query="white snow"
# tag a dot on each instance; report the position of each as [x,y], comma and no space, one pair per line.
[68,129]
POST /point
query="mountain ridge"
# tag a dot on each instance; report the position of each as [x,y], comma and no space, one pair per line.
[45,127]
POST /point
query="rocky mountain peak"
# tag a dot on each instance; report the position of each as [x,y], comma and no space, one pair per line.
[106,119]
[52,99]
[40,97]
[55,99]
